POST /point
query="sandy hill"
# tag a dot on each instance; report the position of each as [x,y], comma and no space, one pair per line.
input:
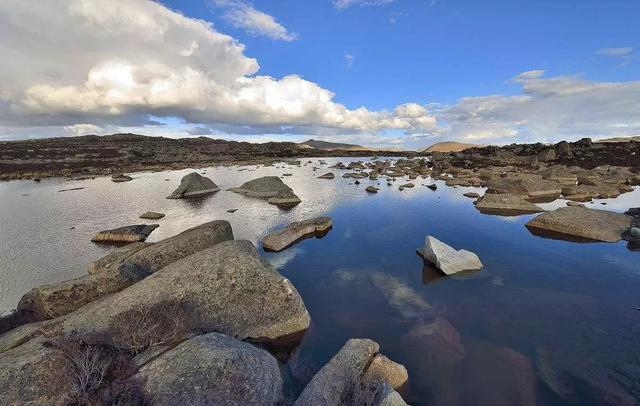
[449,146]
[330,146]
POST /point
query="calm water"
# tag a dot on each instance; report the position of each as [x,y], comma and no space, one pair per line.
[546,321]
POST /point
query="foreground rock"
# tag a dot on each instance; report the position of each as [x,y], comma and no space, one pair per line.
[32,374]
[212,369]
[121,268]
[296,231]
[506,205]
[447,259]
[342,380]
[272,188]
[126,234]
[152,215]
[194,185]
[226,288]
[580,224]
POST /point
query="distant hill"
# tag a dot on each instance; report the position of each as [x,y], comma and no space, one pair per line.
[330,146]
[449,146]
[621,139]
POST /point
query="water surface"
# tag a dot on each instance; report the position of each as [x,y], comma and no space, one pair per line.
[546,321]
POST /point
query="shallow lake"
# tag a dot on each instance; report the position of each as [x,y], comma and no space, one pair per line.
[546,321]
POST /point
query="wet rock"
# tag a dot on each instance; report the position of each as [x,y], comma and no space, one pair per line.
[121,268]
[296,231]
[472,195]
[126,234]
[580,224]
[271,188]
[341,382]
[328,175]
[226,288]
[355,175]
[406,185]
[194,185]
[447,259]
[212,369]
[119,177]
[372,189]
[232,210]
[572,203]
[433,186]
[506,205]
[152,215]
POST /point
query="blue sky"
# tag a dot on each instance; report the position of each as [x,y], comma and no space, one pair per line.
[425,70]
[425,51]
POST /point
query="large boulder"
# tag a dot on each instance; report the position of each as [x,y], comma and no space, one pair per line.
[212,369]
[296,231]
[271,188]
[226,288]
[121,268]
[32,374]
[531,186]
[342,380]
[580,224]
[126,234]
[448,259]
[506,205]
[194,185]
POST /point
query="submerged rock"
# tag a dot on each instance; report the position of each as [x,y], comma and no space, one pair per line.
[134,233]
[506,205]
[212,369]
[194,185]
[152,215]
[121,268]
[447,259]
[341,381]
[328,175]
[270,187]
[580,224]
[296,231]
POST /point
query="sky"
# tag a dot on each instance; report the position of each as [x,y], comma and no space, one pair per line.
[381,73]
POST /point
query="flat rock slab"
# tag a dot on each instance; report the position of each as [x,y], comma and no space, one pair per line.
[580,224]
[194,185]
[126,234]
[152,215]
[213,369]
[532,186]
[506,205]
[448,259]
[296,231]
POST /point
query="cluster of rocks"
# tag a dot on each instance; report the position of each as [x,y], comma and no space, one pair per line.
[180,312]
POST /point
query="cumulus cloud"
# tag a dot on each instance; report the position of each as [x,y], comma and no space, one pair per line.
[622,51]
[243,15]
[548,109]
[105,62]
[342,4]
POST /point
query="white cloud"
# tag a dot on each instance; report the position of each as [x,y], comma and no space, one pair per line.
[622,51]
[342,4]
[118,63]
[242,15]
[349,60]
